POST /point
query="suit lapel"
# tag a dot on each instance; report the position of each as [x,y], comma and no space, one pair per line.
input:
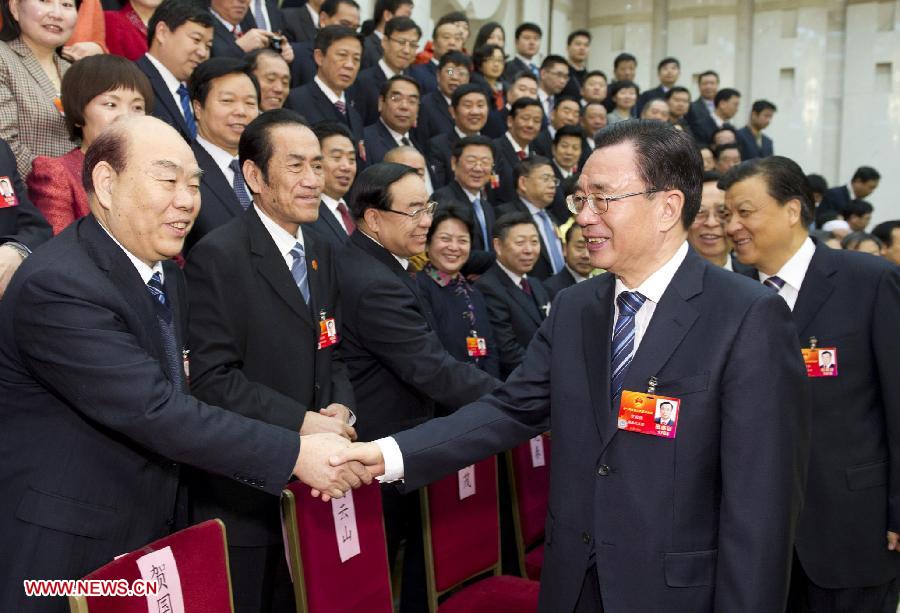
[317,291]
[162,93]
[329,219]
[519,296]
[216,181]
[597,323]
[817,287]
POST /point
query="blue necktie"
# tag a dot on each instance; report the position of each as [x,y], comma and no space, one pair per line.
[186,107]
[156,288]
[629,304]
[260,15]
[298,270]
[553,247]
[534,70]
[774,282]
[479,214]
[239,187]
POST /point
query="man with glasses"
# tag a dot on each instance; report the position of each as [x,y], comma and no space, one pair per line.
[707,234]
[638,521]
[469,109]
[447,37]
[398,106]
[455,69]
[398,367]
[401,38]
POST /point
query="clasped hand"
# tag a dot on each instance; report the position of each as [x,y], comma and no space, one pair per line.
[331,465]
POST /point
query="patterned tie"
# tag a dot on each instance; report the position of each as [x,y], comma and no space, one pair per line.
[298,270]
[526,286]
[774,282]
[259,15]
[346,217]
[482,221]
[186,107]
[157,290]
[341,108]
[405,142]
[522,154]
[553,246]
[534,70]
[629,304]
[238,185]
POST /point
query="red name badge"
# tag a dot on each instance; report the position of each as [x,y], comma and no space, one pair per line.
[495,181]
[476,346]
[328,335]
[649,414]
[821,362]
[7,193]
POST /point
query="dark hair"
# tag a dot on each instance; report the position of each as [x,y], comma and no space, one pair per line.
[175,13]
[855,239]
[443,22]
[525,167]
[252,58]
[327,129]
[483,53]
[95,75]
[568,131]
[624,57]
[450,210]
[859,208]
[707,73]
[552,60]
[453,17]
[725,94]
[667,60]
[464,90]
[522,103]
[256,140]
[569,185]
[477,140]
[763,105]
[528,27]
[523,74]
[717,153]
[557,100]
[214,68]
[595,73]
[666,159]
[724,128]
[386,86]
[885,231]
[618,86]
[111,146]
[371,190]
[784,179]
[455,57]
[572,227]
[485,31]
[330,7]
[506,222]
[711,175]
[401,24]
[381,6]
[666,402]
[817,183]
[573,35]
[329,35]
[866,174]
[678,89]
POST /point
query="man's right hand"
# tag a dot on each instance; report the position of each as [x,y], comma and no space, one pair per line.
[315,422]
[313,467]
[367,454]
[254,39]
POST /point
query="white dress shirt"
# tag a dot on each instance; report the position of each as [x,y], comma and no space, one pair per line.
[332,205]
[265,12]
[387,70]
[235,29]
[727,265]
[146,272]
[397,136]
[793,272]
[222,159]
[516,279]
[578,278]
[313,14]
[172,83]
[284,240]
[516,146]
[330,94]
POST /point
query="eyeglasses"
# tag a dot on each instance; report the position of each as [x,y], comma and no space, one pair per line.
[397,98]
[473,163]
[460,72]
[405,44]
[576,203]
[428,209]
[549,179]
[559,74]
[720,212]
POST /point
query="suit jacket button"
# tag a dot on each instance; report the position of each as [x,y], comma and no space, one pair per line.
[317,387]
[603,471]
[586,538]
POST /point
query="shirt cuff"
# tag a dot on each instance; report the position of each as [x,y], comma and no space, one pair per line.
[352,420]
[393,460]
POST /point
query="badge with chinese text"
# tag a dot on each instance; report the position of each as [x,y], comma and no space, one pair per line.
[476,346]
[328,335]
[7,193]
[648,414]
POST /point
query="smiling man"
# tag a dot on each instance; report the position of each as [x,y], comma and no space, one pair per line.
[707,234]
[398,108]
[335,223]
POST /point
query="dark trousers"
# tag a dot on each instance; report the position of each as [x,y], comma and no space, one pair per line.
[403,528]
[589,600]
[260,580]
[807,597]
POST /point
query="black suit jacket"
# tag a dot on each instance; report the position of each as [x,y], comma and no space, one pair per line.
[749,148]
[482,254]
[328,227]
[669,524]
[438,155]
[434,117]
[254,351]
[379,141]
[496,125]
[298,24]
[558,209]
[515,316]
[701,122]
[854,467]
[834,201]
[94,428]
[372,51]
[366,91]
[543,143]
[311,102]
[657,93]
[304,67]
[559,282]
[426,76]
[23,223]
[505,161]
[276,20]
[543,269]
[164,106]
[224,44]
[219,204]
[398,367]
[512,68]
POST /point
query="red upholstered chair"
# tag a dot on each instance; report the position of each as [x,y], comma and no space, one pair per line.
[322,583]
[529,491]
[201,557]
[462,541]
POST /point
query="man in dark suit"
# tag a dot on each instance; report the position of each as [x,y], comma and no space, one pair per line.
[435,117]
[254,320]
[96,416]
[742,435]
[302,22]
[727,101]
[528,45]
[864,182]
[398,107]
[181,33]
[668,70]
[22,227]
[236,32]
[469,110]
[578,263]
[566,111]
[846,552]
[383,12]
[446,39]
[707,234]
[523,125]
[332,13]
[750,138]
[219,127]
[401,39]
[536,189]
[337,54]
[567,151]
[699,117]
[335,223]
[517,302]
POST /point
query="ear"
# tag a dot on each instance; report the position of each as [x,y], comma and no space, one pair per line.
[103,177]
[509,121]
[670,215]
[498,245]
[453,113]
[319,57]
[196,108]
[453,164]
[380,104]
[794,211]
[253,176]
[14,9]
[371,218]
[520,183]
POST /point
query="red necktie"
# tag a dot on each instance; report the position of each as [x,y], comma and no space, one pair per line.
[522,154]
[526,286]
[345,215]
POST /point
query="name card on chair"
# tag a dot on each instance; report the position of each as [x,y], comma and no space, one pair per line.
[160,566]
[466,482]
[537,451]
[345,526]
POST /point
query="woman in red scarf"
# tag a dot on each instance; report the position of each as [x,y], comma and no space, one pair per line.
[126,29]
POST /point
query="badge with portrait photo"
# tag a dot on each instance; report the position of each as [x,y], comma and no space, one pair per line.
[328,335]
[7,193]
[649,414]
[821,361]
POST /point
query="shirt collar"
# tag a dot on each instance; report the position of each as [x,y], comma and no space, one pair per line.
[655,285]
[515,145]
[795,268]
[387,70]
[566,173]
[284,240]
[329,93]
[168,78]
[534,210]
[146,272]
[404,263]
[230,26]
[314,15]
[441,278]
[394,134]
[331,203]
[578,278]
[516,279]
[728,265]
[459,132]
[221,157]
[526,61]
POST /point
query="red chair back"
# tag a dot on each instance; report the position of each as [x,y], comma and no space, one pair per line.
[322,583]
[200,554]
[530,486]
[462,537]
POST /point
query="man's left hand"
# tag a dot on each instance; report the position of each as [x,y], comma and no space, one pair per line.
[10,260]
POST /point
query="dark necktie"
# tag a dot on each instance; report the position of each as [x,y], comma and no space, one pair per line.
[405,141]
[298,271]
[346,217]
[629,304]
[238,185]
[522,154]
[774,282]
[341,108]
[186,107]
[173,360]
[526,286]
[554,249]
[157,290]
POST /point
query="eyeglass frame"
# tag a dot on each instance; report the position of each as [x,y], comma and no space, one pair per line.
[721,212]
[429,208]
[407,44]
[590,199]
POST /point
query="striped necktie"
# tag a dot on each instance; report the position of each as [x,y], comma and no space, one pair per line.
[629,304]
[185,98]
[238,185]
[298,271]
[155,286]
[554,249]
[259,15]
[774,282]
